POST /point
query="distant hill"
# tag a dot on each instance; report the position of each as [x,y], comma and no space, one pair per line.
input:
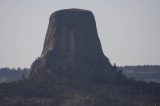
[146,72]
[8,75]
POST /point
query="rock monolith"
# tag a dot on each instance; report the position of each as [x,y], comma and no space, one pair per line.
[72,48]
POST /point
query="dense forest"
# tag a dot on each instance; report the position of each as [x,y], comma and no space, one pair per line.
[145,73]
[58,91]
[13,74]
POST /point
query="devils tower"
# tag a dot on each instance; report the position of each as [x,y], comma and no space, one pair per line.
[72,48]
[73,71]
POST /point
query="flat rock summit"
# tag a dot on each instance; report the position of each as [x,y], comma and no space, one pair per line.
[72,48]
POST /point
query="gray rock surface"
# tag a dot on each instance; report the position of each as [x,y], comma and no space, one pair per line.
[72,48]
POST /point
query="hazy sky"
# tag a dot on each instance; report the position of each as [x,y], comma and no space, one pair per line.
[129,30]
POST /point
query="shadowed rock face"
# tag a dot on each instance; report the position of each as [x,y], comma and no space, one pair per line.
[72,47]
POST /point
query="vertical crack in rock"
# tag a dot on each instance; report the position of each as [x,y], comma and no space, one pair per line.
[72,41]
[72,47]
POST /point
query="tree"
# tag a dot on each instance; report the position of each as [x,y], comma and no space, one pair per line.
[115,66]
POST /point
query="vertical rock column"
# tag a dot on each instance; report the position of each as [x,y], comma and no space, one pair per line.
[72,47]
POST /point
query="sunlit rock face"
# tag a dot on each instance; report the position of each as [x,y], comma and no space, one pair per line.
[72,48]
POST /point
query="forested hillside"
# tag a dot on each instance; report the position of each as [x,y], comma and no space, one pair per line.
[146,72]
[8,74]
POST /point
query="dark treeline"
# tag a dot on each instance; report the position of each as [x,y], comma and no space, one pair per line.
[145,73]
[55,90]
[13,74]
[142,68]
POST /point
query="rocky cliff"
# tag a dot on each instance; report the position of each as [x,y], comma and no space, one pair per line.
[72,48]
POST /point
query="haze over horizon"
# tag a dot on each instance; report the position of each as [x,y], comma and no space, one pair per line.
[128,29]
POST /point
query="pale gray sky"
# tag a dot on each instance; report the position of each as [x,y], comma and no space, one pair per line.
[129,30]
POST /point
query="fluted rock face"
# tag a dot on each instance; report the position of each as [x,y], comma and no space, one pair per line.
[72,47]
